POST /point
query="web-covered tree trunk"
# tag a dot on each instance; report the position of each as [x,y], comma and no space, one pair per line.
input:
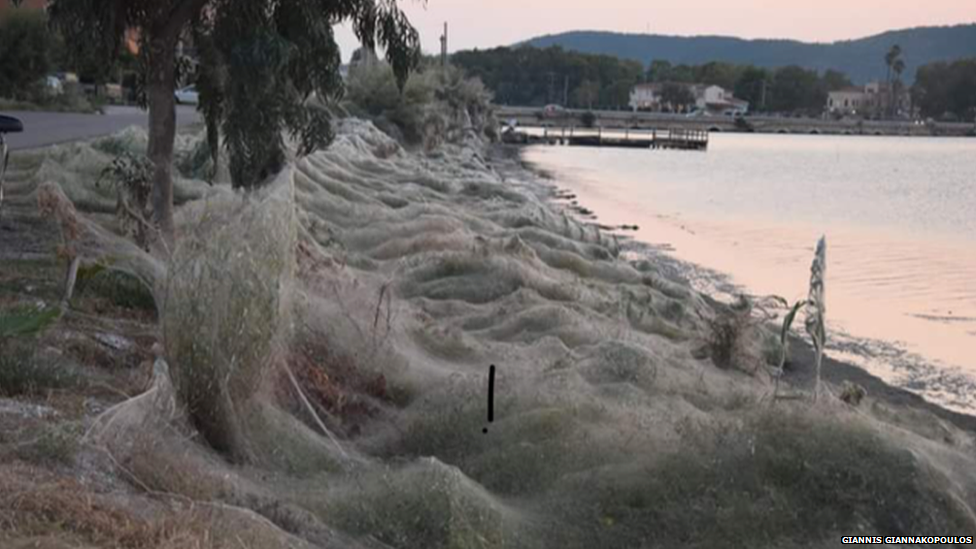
[160,83]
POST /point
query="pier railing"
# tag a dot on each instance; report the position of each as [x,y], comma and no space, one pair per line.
[670,138]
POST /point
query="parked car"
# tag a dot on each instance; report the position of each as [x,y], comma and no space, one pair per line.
[67,77]
[187,96]
[53,85]
[553,110]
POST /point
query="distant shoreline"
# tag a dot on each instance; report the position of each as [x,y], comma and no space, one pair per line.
[800,371]
[569,118]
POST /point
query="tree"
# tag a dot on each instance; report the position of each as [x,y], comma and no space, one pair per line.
[617,95]
[26,51]
[836,80]
[659,71]
[795,89]
[677,96]
[720,74]
[531,76]
[752,87]
[683,73]
[944,90]
[362,57]
[587,93]
[897,65]
[260,59]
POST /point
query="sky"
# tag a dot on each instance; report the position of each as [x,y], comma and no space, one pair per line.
[489,23]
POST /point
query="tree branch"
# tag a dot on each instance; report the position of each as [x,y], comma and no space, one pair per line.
[180,16]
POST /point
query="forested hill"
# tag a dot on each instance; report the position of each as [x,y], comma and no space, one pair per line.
[862,60]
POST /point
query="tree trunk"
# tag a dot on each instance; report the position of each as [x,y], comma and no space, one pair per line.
[160,84]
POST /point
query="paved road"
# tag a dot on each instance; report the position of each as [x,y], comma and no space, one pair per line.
[48,128]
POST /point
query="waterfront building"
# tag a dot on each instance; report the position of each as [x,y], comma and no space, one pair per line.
[873,100]
[718,100]
[703,98]
[849,101]
[646,97]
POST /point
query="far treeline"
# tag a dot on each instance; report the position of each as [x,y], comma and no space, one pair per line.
[529,76]
[947,90]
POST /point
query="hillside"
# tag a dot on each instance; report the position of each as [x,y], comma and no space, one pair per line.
[860,59]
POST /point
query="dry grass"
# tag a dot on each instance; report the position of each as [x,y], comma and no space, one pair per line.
[36,504]
[338,390]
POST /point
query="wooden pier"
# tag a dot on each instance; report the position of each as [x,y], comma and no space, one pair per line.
[672,138]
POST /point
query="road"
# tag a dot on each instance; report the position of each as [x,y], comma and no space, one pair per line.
[48,128]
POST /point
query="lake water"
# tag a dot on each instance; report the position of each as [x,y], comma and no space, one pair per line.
[899,215]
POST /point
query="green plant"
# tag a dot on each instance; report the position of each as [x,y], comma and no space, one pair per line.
[588,119]
[784,333]
[131,175]
[436,105]
[118,287]
[852,393]
[197,164]
[22,372]
[223,311]
[26,321]
[815,306]
[54,444]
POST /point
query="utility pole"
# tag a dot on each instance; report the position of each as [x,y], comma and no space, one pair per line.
[444,46]
[552,86]
[566,91]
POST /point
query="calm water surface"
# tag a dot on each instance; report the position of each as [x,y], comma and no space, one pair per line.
[899,215]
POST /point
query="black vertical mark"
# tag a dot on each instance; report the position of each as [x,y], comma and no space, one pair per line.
[491,396]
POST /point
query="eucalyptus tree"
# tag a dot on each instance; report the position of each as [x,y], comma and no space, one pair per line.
[260,60]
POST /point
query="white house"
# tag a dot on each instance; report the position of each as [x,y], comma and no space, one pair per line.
[849,101]
[718,100]
[710,99]
[646,97]
[708,95]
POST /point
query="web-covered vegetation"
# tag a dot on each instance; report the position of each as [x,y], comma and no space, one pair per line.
[325,348]
[437,103]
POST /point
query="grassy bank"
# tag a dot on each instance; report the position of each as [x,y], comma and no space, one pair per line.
[309,368]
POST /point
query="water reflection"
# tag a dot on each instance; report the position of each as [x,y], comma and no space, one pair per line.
[898,214]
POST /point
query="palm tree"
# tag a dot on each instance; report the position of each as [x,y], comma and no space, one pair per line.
[898,67]
[895,64]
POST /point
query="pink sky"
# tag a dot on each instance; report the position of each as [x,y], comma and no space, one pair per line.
[488,23]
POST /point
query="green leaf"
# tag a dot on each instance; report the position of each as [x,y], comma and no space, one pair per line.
[24,321]
[788,320]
